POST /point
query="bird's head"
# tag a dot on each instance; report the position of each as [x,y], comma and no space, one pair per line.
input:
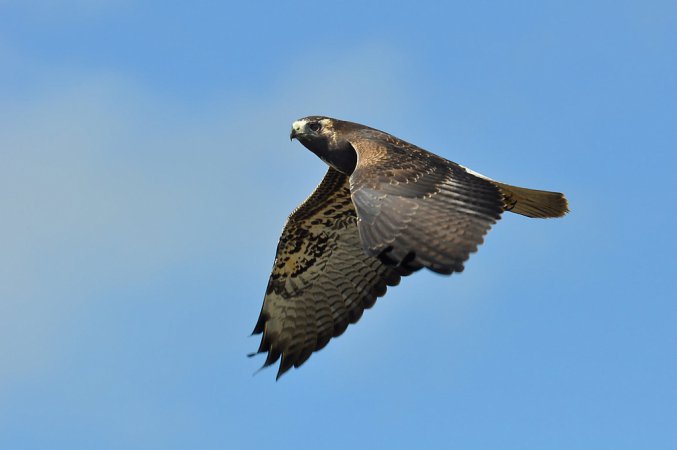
[327,138]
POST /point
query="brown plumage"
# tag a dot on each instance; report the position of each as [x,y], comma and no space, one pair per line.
[385,209]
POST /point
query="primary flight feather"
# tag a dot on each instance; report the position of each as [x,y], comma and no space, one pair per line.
[385,208]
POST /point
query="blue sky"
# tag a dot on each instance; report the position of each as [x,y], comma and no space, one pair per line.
[146,172]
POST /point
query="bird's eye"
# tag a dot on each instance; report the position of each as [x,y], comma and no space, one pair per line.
[315,126]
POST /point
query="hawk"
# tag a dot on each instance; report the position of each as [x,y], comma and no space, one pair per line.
[385,209]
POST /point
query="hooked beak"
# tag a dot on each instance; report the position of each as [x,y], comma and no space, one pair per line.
[297,129]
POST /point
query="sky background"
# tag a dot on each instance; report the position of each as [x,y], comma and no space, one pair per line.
[146,173]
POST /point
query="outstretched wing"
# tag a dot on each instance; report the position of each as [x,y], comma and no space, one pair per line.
[418,209]
[322,279]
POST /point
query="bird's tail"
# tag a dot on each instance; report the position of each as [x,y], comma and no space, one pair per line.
[533,203]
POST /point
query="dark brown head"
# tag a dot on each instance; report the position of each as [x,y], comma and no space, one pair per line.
[327,138]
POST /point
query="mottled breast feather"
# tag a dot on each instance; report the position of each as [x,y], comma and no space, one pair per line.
[322,280]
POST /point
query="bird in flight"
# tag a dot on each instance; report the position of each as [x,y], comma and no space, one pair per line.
[385,209]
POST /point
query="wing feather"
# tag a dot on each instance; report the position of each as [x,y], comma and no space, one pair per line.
[322,280]
[417,208]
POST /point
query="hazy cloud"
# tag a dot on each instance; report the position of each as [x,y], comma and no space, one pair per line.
[103,183]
